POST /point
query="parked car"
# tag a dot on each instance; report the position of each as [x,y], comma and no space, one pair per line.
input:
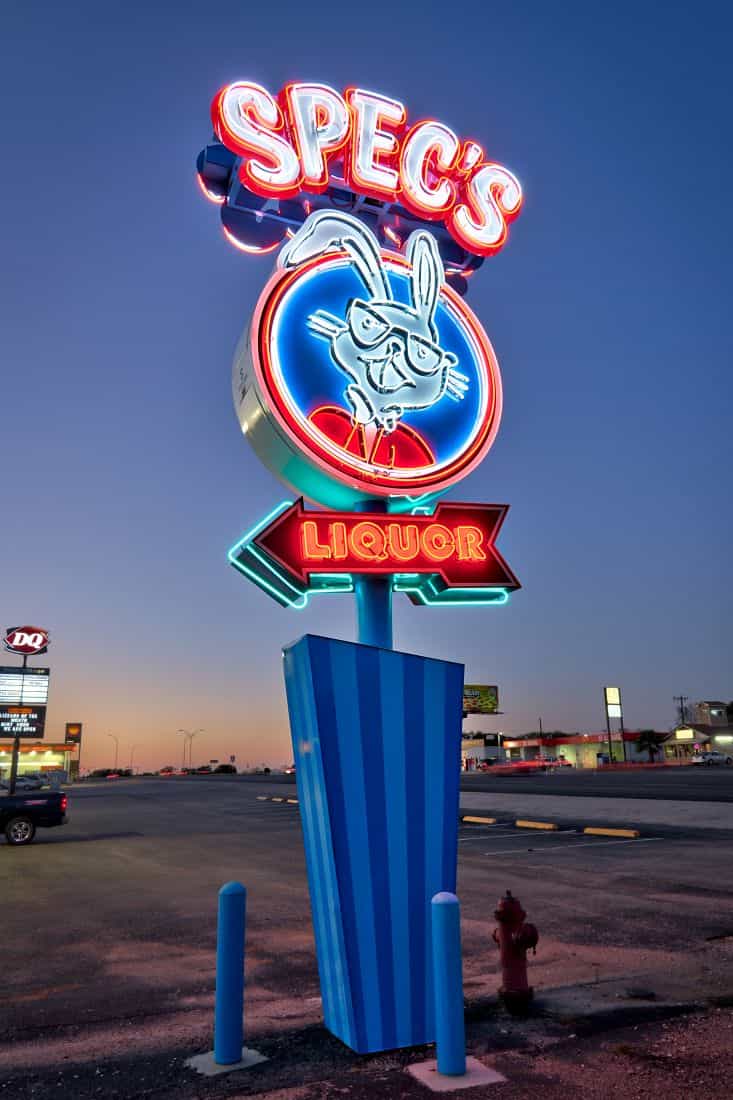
[22,814]
[225,769]
[555,761]
[24,783]
[205,769]
[290,770]
[711,757]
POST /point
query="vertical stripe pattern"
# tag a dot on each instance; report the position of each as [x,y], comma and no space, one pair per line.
[376,741]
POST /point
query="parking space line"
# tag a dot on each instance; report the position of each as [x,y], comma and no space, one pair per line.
[582,844]
[515,835]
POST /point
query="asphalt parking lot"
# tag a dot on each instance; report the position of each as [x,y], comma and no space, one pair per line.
[110,920]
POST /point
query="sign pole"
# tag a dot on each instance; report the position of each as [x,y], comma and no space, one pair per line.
[373,598]
[16,740]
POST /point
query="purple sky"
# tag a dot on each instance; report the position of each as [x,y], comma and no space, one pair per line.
[126,478]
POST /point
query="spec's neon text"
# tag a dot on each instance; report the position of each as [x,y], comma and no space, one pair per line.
[291,143]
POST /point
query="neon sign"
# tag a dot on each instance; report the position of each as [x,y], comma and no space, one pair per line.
[362,373]
[456,544]
[300,141]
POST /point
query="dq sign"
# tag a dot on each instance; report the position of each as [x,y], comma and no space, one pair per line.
[362,373]
[27,640]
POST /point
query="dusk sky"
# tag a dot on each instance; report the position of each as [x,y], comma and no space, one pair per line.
[126,477]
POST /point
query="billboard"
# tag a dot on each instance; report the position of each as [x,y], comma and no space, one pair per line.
[480,699]
[17,721]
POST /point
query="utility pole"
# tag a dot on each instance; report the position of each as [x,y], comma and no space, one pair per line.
[681,700]
[132,753]
[540,727]
[116,740]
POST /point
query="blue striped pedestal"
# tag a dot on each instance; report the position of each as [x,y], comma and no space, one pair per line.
[376,737]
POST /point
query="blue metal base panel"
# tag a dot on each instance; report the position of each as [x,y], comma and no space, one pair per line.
[376,739]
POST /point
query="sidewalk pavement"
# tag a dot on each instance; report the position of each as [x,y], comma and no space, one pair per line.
[591,811]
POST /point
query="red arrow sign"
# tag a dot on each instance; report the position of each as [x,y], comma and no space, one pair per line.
[456,542]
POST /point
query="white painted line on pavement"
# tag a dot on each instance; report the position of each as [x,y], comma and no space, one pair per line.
[517,834]
[582,844]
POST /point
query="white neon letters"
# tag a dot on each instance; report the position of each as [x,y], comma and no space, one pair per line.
[311,134]
[319,122]
[249,124]
[425,141]
[494,196]
[373,168]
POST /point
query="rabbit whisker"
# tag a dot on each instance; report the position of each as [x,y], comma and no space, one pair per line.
[325,324]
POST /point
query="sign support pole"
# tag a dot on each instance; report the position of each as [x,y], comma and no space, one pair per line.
[373,598]
[16,741]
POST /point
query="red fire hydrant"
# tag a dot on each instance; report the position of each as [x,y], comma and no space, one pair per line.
[514,938]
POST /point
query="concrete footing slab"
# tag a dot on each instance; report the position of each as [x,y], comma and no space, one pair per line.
[205,1064]
[476,1074]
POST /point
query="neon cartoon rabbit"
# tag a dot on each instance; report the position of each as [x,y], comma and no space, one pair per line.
[389,351]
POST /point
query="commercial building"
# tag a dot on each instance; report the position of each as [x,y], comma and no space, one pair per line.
[38,757]
[712,729]
[582,750]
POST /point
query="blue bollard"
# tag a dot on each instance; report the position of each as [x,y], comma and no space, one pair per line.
[450,1032]
[229,1005]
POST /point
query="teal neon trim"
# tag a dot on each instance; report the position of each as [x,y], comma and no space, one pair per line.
[249,560]
[421,588]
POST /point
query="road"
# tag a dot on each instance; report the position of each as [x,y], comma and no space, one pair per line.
[109,922]
[681,784]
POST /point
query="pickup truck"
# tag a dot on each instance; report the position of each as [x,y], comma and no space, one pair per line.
[22,814]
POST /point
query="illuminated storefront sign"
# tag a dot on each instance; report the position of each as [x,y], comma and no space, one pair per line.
[362,374]
[73,733]
[298,141]
[27,640]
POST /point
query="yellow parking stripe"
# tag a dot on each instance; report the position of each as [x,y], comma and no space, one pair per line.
[593,831]
[522,824]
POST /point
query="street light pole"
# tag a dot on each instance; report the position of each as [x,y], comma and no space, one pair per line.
[132,753]
[116,740]
[188,740]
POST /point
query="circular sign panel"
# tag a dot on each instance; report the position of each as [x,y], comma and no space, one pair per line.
[26,639]
[362,374]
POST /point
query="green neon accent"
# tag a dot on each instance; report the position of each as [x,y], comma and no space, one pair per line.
[422,588]
[282,590]
[257,567]
[425,592]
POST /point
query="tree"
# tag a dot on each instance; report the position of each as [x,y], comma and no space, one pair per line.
[649,741]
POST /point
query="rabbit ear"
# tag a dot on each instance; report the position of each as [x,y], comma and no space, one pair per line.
[328,231]
[427,273]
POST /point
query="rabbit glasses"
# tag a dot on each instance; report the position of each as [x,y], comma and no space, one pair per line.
[389,351]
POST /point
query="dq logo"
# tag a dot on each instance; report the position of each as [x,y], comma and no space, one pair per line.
[26,639]
[362,373]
